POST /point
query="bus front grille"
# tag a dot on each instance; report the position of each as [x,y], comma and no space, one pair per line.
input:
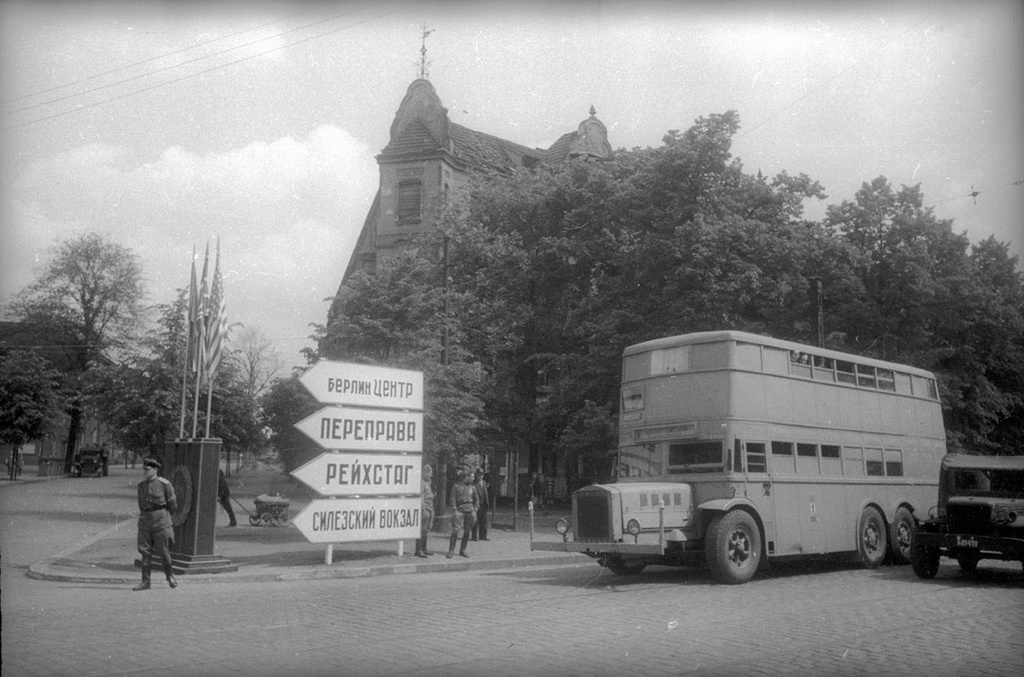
[592,516]
[970,519]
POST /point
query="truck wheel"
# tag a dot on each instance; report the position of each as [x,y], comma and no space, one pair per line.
[620,567]
[733,547]
[968,561]
[872,543]
[901,535]
[924,560]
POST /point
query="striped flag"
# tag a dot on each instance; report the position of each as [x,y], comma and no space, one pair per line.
[202,322]
[217,322]
[193,319]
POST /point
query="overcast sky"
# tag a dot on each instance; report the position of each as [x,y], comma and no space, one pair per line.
[167,125]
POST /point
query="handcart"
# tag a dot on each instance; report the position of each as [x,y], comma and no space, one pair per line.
[271,511]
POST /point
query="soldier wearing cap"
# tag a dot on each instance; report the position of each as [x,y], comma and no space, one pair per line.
[156,532]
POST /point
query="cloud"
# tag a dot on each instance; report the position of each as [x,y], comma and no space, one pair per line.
[288,213]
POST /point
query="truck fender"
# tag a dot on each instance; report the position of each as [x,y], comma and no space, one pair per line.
[727,504]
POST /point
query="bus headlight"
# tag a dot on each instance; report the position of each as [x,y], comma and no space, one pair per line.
[561,526]
[633,527]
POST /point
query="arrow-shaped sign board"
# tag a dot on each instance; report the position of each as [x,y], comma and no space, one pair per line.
[363,385]
[365,429]
[362,474]
[351,520]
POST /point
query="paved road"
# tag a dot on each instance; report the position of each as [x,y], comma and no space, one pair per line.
[577,620]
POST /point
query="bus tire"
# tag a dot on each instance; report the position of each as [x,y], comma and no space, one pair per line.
[872,542]
[733,547]
[924,560]
[901,535]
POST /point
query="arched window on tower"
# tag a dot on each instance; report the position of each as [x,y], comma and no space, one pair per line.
[409,199]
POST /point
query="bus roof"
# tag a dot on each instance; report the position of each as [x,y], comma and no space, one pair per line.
[983,461]
[746,337]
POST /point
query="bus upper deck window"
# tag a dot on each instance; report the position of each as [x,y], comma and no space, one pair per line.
[824,369]
[886,380]
[865,376]
[845,372]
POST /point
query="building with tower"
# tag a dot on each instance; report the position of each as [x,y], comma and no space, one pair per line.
[429,158]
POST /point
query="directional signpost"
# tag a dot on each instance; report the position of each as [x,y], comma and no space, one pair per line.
[372,432]
[348,474]
[348,428]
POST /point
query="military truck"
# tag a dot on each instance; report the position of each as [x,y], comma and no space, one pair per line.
[979,515]
[91,461]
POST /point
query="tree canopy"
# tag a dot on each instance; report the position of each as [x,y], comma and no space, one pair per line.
[551,272]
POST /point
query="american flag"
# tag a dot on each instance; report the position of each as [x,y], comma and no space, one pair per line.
[198,313]
[216,323]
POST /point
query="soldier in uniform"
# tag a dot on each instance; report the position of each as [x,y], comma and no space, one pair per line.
[464,503]
[156,533]
[427,510]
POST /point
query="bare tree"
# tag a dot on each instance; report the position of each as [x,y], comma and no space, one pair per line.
[85,305]
[258,362]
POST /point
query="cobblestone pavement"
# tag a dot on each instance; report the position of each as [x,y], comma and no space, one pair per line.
[575,619]
[569,620]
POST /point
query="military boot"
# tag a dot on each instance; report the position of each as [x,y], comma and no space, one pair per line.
[171,580]
[451,546]
[465,542]
[144,585]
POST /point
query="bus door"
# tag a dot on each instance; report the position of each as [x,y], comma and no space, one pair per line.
[758,486]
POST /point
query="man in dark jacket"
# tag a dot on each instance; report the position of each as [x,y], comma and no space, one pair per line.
[156,532]
[224,496]
[483,495]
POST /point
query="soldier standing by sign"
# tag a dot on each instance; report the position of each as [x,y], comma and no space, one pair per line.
[156,533]
[482,494]
[464,504]
[427,516]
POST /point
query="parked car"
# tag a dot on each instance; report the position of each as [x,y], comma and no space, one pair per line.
[91,461]
[980,514]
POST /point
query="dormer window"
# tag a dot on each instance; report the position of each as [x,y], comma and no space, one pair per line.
[409,200]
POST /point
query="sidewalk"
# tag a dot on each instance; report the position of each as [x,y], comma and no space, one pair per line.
[265,554]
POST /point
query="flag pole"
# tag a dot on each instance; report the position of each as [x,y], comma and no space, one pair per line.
[188,345]
[201,343]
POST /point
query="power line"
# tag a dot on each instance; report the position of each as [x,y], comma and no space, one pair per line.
[202,72]
[975,193]
[150,60]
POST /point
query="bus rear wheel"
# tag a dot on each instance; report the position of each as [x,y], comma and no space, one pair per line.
[733,547]
[872,544]
[901,533]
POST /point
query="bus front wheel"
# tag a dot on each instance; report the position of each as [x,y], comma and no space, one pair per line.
[872,544]
[733,547]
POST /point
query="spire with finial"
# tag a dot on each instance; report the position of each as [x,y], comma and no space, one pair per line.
[423,53]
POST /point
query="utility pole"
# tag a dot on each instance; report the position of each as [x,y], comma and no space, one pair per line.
[817,310]
[442,465]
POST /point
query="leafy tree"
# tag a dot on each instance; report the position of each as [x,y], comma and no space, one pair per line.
[30,397]
[141,397]
[88,298]
[283,404]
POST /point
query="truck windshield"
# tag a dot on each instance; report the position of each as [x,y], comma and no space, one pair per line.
[986,482]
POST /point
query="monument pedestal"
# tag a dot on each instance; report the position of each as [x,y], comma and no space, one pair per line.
[192,468]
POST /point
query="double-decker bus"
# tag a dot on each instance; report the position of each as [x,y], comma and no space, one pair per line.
[735,449]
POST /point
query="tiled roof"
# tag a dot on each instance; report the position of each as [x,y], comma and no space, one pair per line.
[559,151]
[482,150]
[415,138]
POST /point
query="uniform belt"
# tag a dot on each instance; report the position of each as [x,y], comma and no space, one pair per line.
[162,507]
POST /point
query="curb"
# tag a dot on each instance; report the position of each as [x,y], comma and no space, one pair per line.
[50,570]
